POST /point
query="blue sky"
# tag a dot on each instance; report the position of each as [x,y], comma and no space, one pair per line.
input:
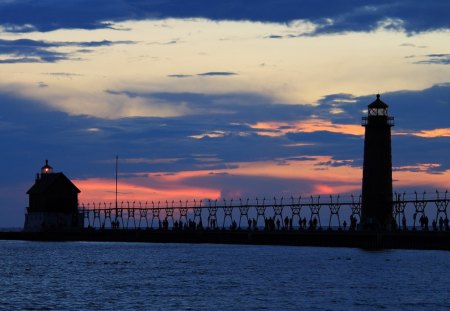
[236,99]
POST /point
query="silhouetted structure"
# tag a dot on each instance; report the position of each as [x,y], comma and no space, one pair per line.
[53,202]
[376,209]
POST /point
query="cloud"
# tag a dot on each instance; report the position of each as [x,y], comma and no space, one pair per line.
[213,134]
[151,161]
[335,163]
[330,17]
[34,51]
[420,167]
[29,51]
[275,37]
[285,130]
[436,59]
[19,60]
[62,74]
[217,73]
[413,45]
[205,74]
[439,132]
[307,126]
[179,76]
[206,104]
[96,43]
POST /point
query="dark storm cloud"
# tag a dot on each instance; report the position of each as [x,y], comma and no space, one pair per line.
[33,51]
[331,16]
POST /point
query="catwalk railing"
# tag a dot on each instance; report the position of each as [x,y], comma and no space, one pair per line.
[410,211]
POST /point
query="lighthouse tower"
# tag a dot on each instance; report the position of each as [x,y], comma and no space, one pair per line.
[376,209]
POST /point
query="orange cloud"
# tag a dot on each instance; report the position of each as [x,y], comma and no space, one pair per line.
[421,167]
[275,129]
[441,132]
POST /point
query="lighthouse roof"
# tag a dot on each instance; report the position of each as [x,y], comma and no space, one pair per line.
[50,182]
[378,103]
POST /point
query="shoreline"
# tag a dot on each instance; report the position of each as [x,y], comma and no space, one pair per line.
[416,240]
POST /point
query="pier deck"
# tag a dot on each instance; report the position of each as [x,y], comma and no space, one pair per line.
[426,240]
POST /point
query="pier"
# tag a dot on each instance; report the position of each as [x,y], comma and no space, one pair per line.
[421,222]
[414,211]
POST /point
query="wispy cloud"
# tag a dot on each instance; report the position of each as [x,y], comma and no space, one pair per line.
[179,76]
[34,51]
[213,134]
[307,126]
[63,74]
[441,132]
[204,74]
[436,59]
[217,73]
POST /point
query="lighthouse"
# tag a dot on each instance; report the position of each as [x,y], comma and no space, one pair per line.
[53,203]
[376,208]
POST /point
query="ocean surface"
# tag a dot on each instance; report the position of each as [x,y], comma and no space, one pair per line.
[132,276]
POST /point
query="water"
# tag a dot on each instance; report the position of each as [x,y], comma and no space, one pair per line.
[132,276]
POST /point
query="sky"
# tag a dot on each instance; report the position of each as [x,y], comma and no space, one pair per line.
[234,99]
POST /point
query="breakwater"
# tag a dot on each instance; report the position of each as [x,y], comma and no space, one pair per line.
[437,240]
[420,221]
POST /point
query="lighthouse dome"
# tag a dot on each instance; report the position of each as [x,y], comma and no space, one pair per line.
[378,103]
[46,169]
[378,108]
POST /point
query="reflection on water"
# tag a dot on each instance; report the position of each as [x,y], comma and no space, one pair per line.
[130,276]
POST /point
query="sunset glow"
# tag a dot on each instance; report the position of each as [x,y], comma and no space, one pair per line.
[101,191]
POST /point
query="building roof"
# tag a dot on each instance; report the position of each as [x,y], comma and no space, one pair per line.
[46,181]
[378,103]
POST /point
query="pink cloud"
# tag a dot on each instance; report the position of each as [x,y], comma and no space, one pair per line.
[441,132]
[275,129]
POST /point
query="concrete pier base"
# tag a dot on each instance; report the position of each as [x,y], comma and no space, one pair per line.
[426,240]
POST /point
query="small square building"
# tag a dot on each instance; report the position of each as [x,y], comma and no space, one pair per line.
[53,203]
